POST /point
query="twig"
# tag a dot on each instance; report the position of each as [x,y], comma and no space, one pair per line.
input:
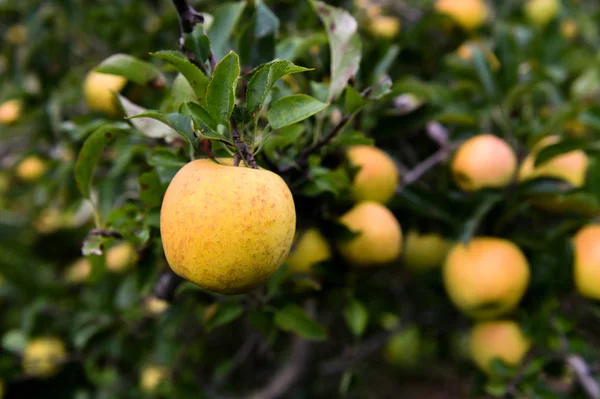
[242,148]
[367,347]
[584,375]
[106,233]
[167,285]
[511,387]
[188,18]
[418,171]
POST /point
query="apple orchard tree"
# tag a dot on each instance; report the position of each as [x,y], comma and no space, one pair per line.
[300,199]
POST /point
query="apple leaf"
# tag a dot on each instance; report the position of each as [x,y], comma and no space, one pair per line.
[131,68]
[357,317]
[294,318]
[293,109]
[225,20]
[194,76]
[220,96]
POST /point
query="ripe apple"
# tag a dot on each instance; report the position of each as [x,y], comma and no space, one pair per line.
[540,12]
[469,14]
[487,277]
[43,357]
[155,306]
[121,257]
[99,91]
[311,248]
[10,111]
[384,26]
[380,236]
[79,271]
[151,377]
[377,180]
[31,168]
[484,161]
[424,251]
[225,228]
[501,339]
[586,265]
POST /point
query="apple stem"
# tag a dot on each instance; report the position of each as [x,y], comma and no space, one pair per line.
[243,150]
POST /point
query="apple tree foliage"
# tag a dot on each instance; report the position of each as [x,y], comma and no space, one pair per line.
[295,83]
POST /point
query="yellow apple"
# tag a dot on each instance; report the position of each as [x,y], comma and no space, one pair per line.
[155,306]
[10,111]
[43,357]
[570,166]
[487,277]
[501,339]
[49,221]
[31,168]
[377,179]
[469,14]
[311,248]
[99,91]
[568,29]
[151,377]
[379,241]
[226,228]
[425,251]
[465,52]
[384,26]
[121,257]
[586,265]
[484,161]
[79,271]
[540,12]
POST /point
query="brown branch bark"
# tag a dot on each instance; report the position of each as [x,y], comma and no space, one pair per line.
[167,285]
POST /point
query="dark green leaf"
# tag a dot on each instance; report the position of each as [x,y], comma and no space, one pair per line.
[293,109]
[263,80]
[14,341]
[354,101]
[320,91]
[266,23]
[183,125]
[194,76]
[294,318]
[220,96]
[165,157]
[198,43]
[471,225]
[225,314]
[357,317]
[90,154]
[201,117]
[132,68]
[225,20]
[151,189]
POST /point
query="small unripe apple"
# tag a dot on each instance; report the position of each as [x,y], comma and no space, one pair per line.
[31,168]
[570,166]
[377,180]
[43,357]
[312,248]
[540,12]
[227,229]
[121,257]
[99,91]
[380,236]
[586,265]
[425,251]
[502,339]
[403,349]
[568,29]
[10,111]
[487,277]
[384,26]
[79,271]
[151,377]
[484,161]
[469,14]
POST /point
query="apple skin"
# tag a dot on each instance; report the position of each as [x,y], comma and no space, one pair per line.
[121,257]
[487,277]
[501,339]
[483,161]
[151,377]
[312,248]
[541,12]
[99,91]
[225,228]
[384,26]
[586,267]
[424,251]
[380,240]
[469,14]
[10,111]
[43,357]
[377,180]
[31,169]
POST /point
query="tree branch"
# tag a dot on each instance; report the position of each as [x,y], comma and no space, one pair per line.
[584,375]
[188,18]
[243,149]
[167,285]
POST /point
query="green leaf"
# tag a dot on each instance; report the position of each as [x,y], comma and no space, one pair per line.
[266,23]
[14,341]
[201,117]
[320,91]
[263,80]
[293,318]
[182,124]
[293,109]
[182,91]
[344,43]
[134,69]
[220,96]
[225,314]
[482,68]
[357,317]
[149,127]
[553,150]
[225,20]
[471,225]
[194,76]
[592,177]
[90,154]
[353,101]
[198,43]
[381,89]
[151,189]
[165,157]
